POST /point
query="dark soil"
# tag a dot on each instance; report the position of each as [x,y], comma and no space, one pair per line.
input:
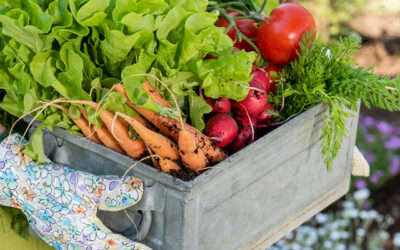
[391,117]
[387,201]
[185,174]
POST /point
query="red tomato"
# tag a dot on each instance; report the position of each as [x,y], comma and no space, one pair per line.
[279,37]
[246,26]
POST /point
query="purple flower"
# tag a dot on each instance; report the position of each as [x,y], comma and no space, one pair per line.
[370,138]
[395,166]
[360,184]
[368,121]
[374,179]
[393,143]
[367,205]
[384,127]
[370,158]
[363,152]
[380,173]
[376,176]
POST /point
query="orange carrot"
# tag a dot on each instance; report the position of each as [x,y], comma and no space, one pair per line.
[82,123]
[192,155]
[135,148]
[142,121]
[167,166]
[155,95]
[139,119]
[161,145]
[104,135]
[171,127]
[153,158]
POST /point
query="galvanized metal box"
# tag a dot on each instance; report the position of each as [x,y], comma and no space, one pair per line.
[248,201]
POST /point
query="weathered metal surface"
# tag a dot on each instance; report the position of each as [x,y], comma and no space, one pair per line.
[250,200]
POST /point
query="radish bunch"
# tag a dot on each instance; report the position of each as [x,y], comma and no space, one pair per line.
[232,124]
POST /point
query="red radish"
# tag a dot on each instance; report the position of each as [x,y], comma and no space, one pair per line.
[243,121]
[220,105]
[243,138]
[265,77]
[222,128]
[254,103]
[261,77]
[265,117]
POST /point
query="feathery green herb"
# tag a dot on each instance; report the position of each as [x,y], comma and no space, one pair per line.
[328,74]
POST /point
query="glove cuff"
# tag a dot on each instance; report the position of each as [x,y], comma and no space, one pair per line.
[3,135]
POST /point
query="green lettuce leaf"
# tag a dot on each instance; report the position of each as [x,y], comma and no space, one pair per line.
[198,107]
[16,24]
[115,102]
[92,13]
[225,76]
[71,78]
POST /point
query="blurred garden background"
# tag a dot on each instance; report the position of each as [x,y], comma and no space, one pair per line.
[369,216]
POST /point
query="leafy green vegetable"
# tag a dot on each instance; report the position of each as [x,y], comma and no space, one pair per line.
[225,76]
[115,102]
[198,107]
[327,74]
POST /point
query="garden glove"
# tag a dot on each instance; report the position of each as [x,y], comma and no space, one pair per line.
[61,203]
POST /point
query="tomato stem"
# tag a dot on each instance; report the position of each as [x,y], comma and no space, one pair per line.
[238,33]
[245,12]
[262,7]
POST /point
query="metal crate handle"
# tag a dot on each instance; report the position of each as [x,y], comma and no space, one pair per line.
[144,227]
[141,214]
[153,200]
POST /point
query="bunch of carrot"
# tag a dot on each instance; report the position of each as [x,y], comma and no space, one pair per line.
[177,142]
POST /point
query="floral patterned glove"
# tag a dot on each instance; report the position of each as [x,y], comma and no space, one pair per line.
[61,203]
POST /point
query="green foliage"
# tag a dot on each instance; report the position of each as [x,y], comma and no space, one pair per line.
[19,222]
[327,74]
[7,120]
